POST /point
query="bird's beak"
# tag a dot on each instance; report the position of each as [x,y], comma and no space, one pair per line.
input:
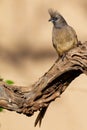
[51,20]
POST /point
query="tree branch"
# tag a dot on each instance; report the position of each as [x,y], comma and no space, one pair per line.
[51,85]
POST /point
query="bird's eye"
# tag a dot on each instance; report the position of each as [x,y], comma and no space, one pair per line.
[55,18]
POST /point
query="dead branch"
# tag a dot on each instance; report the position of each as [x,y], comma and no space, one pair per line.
[51,85]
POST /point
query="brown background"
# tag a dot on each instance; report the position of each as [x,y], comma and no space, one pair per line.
[26,53]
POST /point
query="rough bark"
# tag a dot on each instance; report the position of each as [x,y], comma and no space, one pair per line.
[51,85]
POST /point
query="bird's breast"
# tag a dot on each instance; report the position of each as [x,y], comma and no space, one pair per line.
[63,39]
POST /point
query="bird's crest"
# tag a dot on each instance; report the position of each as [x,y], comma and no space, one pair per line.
[53,13]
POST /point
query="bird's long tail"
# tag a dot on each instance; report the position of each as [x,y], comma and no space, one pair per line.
[40,116]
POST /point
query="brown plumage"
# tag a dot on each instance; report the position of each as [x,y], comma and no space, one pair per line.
[64,37]
[40,116]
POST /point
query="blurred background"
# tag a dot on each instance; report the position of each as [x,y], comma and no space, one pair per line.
[26,53]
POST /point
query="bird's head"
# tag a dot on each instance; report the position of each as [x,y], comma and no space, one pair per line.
[56,18]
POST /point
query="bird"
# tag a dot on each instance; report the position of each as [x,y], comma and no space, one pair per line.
[64,36]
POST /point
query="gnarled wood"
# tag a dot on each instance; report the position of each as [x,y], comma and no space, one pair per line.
[51,85]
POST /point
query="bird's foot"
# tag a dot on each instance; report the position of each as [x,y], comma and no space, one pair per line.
[79,43]
[64,55]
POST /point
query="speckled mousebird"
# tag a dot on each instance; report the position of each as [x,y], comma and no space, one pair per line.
[64,36]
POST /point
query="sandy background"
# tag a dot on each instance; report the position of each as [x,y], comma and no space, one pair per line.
[26,53]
